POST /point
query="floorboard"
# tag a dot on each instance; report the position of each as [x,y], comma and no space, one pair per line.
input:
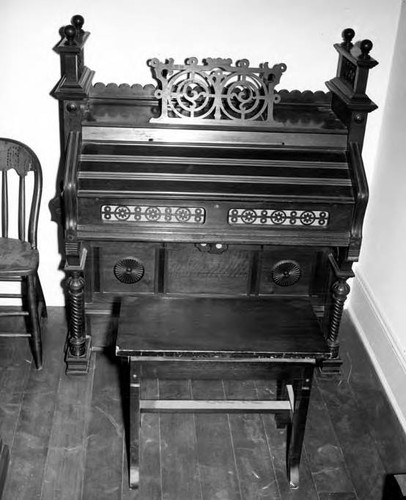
[4,459]
[276,438]
[15,362]
[150,484]
[178,447]
[351,428]
[252,454]
[105,434]
[218,468]
[326,459]
[30,444]
[65,465]
[66,435]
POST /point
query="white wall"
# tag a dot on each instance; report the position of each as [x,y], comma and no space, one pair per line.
[126,33]
[378,300]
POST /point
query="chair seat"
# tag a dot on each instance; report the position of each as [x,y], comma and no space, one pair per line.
[17,258]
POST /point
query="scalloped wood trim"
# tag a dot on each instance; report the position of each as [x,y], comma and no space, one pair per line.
[122,91]
[137,91]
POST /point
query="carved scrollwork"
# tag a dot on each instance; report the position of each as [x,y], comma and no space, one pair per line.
[216,91]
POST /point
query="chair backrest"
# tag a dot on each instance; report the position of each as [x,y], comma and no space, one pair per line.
[19,158]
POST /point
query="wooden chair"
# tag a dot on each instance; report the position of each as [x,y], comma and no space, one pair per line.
[176,337]
[19,257]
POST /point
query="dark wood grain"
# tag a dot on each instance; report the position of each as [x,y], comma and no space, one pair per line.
[66,458]
[31,434]
[326,459]
[4,460]
[150,449]
[104,433]
[192,271]
[218,468]
[177,325]
[252,454]
[178,446]
[276,438]
[14,375]
[349,426]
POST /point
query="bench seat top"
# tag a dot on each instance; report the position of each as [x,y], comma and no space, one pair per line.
[246,327]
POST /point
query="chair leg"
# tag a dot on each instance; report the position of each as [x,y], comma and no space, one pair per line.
[41,298]
[297,430]
[135,422]
[35,339]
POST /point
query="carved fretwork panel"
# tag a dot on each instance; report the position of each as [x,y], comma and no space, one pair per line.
[348,72]
[216,91]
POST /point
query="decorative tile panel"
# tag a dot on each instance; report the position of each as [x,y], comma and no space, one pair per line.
[153,213]
[269,217]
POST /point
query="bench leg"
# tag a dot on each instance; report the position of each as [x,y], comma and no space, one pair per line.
[302,389]
[282,419]
[135,383]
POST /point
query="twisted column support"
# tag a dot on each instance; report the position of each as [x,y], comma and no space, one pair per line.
[76,340]
[340,291]
[78,349]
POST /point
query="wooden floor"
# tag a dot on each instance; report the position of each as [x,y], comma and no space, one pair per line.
[67,441]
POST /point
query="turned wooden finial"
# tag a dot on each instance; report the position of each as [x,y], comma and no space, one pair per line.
[366,47]
[78,22]
[70,33]
[348,34]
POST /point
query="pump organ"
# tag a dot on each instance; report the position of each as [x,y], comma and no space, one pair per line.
[210,183]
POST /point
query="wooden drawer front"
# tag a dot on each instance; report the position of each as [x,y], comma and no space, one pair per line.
[206,269]
[287,270]
[127,267]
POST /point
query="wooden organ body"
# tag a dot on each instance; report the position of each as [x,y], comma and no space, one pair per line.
[210,183]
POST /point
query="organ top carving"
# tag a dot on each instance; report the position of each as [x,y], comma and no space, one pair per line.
[216,91]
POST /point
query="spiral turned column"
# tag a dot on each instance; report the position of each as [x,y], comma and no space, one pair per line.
[76,301]
[340,291]
[78,351]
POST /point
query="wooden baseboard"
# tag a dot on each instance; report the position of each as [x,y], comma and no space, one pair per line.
[380,343]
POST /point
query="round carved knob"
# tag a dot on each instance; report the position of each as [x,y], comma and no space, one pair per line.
[129,270]
[348,34]
[78,22]
[72,107]
[366,47]
[70,33]
[286,273]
